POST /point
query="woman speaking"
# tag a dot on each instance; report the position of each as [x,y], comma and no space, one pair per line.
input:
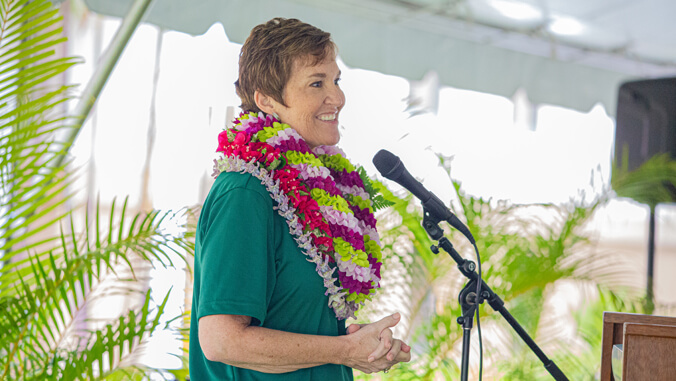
[287,246]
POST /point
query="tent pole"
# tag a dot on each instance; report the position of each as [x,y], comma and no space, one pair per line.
[106,65]
[650,294]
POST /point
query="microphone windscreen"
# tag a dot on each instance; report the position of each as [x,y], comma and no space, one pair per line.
[386,162]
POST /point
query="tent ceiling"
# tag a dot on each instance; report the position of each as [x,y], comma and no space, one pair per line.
[572,53]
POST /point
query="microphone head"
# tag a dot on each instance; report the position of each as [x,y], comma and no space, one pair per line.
[388,164]
[391,167]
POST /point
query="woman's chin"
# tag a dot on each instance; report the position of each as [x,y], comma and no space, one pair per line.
[332,141]
[326,140]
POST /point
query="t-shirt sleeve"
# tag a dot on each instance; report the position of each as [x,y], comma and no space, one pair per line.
[237,259]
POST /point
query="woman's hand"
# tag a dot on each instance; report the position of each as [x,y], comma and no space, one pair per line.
[376,349]
[386,342]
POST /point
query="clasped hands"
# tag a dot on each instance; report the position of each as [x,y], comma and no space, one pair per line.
[374,348]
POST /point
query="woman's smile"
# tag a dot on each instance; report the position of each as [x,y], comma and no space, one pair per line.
[313,101]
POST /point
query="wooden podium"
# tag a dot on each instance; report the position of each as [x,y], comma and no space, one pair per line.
[648,346]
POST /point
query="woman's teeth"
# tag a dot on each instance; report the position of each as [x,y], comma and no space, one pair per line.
[327,118]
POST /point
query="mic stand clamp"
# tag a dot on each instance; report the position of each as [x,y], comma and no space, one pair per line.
[469,301]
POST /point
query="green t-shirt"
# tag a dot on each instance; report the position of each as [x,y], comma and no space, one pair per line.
[247,263]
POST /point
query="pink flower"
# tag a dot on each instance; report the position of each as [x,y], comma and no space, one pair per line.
[241,138]
[327,242]
[222,141]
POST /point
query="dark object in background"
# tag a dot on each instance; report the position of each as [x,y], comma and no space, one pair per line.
[646,121]
[646,127]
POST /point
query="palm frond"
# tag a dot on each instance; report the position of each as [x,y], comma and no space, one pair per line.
[106,348]
[652,183]
[526,251]
[29,178]
[42,294]
[52,269]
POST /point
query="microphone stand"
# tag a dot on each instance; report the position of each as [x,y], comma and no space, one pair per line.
[469,300]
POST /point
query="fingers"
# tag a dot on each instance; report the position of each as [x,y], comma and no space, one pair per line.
[400,352]
[395,355]
[388,351]
[404,355]
[388,321]
[384,346]
[394,351]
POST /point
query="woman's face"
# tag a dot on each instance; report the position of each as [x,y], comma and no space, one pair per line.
[313,100]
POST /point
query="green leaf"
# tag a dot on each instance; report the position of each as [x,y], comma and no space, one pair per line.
[51,268]
[654,182]
[524,260]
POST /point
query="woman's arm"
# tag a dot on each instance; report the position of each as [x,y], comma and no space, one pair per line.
[231,339]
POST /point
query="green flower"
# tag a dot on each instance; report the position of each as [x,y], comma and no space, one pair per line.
[348,253]
[361,203]
[372,247]
[268,132]
[337,162]
[295,157]
[323,198]
[359,298]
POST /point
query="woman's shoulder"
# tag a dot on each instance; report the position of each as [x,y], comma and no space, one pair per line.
[237,183]
[233,188]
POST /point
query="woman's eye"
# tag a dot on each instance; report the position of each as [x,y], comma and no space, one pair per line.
[336,81]
[316,84]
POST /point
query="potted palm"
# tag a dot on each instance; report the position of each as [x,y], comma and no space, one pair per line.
[56,258]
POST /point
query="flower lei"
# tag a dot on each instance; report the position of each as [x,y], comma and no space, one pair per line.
[322,197]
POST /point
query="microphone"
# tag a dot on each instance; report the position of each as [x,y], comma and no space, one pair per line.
[391,167]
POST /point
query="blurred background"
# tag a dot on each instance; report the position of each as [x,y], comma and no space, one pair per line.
[505,109]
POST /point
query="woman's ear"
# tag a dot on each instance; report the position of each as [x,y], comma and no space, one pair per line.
[264,102]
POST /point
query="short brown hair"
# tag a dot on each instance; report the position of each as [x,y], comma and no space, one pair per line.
[268,55]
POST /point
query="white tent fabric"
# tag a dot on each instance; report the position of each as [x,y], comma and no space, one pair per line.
[488,54]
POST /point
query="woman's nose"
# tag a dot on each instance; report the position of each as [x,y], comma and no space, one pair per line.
[335,97]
